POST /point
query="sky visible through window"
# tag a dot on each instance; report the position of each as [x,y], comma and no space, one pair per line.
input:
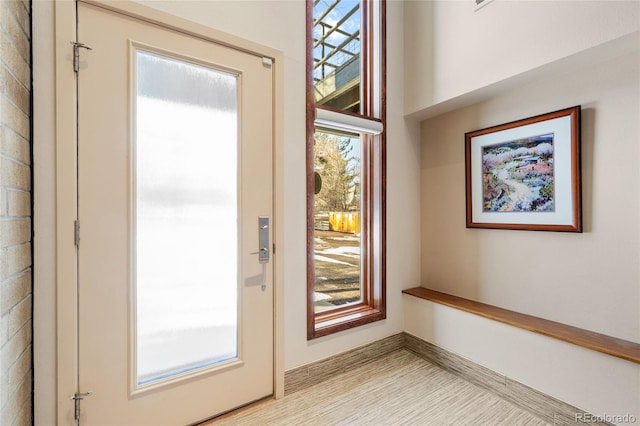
[342,43]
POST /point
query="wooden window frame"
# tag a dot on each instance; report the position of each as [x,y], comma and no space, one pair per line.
[373,234]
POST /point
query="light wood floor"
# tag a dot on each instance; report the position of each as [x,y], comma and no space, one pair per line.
[397,389]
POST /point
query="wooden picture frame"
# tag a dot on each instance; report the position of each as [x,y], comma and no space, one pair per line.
[525,175]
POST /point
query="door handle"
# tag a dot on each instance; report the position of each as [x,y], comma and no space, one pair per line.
[263,239]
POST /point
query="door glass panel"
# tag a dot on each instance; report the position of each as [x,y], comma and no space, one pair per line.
[186,217]
[337,208]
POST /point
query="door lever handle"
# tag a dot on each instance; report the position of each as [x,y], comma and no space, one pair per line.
[263,239]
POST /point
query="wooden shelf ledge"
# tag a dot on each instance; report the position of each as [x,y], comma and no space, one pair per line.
[620,348]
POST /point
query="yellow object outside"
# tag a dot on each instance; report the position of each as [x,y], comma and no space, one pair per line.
[344,222]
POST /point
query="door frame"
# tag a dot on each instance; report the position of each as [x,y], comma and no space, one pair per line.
[66,186]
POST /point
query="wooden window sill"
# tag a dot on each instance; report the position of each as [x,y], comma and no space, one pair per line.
[613,346]
[329,323]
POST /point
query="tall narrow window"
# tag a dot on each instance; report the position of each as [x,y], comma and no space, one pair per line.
[345,164]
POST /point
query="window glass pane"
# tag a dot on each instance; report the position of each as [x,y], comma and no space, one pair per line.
[337,214]
[186,217]
[336,54]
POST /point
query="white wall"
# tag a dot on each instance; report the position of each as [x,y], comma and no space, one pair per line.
[457,50]
[589,280]
[468,70]
[279,25]
[589,380]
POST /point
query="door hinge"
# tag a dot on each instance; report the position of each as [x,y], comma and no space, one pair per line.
[76,233]
[76,398]
[76,54]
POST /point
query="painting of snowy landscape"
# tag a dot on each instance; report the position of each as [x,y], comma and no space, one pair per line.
[518,176]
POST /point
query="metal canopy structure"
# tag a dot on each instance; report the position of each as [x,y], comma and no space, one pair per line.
[336,53]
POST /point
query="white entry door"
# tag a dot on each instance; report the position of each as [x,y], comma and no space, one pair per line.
[175,294]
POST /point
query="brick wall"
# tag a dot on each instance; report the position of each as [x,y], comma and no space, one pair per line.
[16,371]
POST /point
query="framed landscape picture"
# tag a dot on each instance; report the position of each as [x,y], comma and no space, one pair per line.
[526,174]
